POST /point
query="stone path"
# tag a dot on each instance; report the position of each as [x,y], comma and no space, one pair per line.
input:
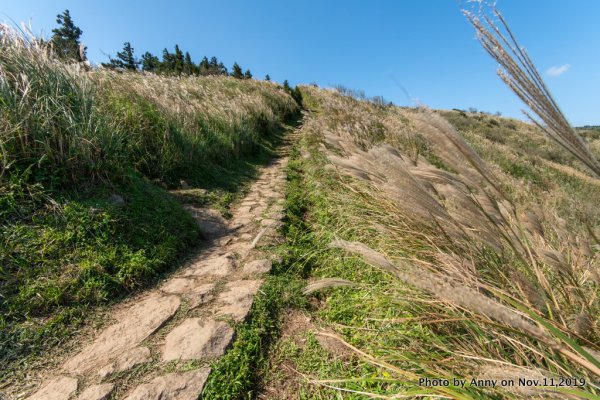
[160,344]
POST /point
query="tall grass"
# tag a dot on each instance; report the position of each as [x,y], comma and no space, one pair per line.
[64,124]
[84,157]
[513,289]
[519,73]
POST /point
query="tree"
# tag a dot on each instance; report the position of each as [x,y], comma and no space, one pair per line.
[65,39]
[295,92]
[247,74]
[189,67]
[222,69]
[150,62]
[286,86]
[125,59]
[267,78]
[178,60]
[204,66]
[236,71]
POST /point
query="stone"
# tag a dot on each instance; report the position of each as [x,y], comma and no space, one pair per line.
[186,285]
[236,299]
[60,388]
[269,222]
[275,215]
[217,266]
[126,361]
[200,295]
[197,339]
[173,386]
[97,392]
[138,322]
[210,221]
[258,267]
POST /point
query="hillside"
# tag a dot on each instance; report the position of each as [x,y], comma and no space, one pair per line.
[438,245]
[169,236]
[88,160]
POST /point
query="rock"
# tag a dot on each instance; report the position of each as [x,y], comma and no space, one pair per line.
[196,292]
[269,222]
[211,223]
[60,388]
[174,386]
[138,322]
[276,215]
[200,295]
[183,184]
[97,392]
[126,361]
[197,339]
[217,266]
[236,299]
[258,267]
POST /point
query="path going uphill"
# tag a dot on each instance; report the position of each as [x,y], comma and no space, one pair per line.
[159,344]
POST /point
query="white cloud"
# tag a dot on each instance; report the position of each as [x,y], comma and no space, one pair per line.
[556,71]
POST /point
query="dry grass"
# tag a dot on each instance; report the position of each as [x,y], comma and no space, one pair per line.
[522,77]
[512,265]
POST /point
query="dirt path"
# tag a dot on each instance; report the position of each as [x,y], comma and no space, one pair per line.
[160,343]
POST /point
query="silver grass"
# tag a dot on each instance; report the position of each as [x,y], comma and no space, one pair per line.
[326,283]
[446,289]
[519,73]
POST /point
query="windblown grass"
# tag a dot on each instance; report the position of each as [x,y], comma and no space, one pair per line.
[519,73]
[481,272]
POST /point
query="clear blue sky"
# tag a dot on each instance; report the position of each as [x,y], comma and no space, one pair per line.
[426,46]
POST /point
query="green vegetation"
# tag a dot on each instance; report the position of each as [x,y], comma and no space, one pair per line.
[84,160]
[421,313]
[65,39]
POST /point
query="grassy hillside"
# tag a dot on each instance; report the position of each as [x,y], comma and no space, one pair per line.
[85,158]
[469,247]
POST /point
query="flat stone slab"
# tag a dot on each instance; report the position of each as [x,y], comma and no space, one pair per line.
[60,388]
[174,386]
[200,295]
[218,266]
[258,267]
[269,222]
[97,392]
[236,299]
[126,361]
[210,221]
[139,322]
[197,339]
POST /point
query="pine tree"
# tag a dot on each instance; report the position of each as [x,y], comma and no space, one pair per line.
[189,68]
[247,74]
[65,39]
[286,86]
[267,78]
[236,71]
[178,61]
[168,63]
[204,67]
[222,70]
[125,59]
[214,65]
[150,62]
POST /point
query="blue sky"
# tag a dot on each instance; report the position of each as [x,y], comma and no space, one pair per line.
[423,46]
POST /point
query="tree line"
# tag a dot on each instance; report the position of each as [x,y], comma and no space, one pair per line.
[66,44]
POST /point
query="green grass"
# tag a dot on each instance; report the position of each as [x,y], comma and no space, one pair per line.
[236,374]
[411,330]
[85,251]
[85,161]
